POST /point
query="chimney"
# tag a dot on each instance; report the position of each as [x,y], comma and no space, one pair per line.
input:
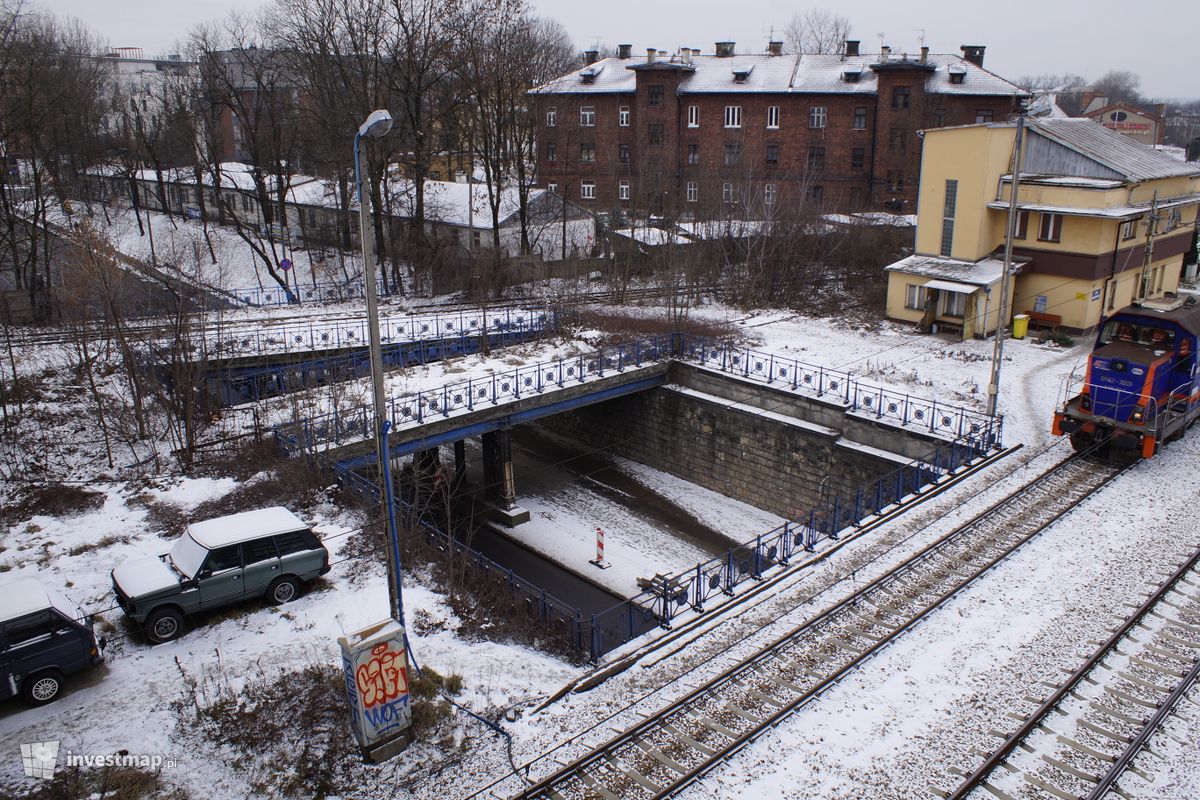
[852,47]
[590,57]
[924,54]
[624,50]
[775,48]
[651,52]
[885,53]
[973,53]
[724,49]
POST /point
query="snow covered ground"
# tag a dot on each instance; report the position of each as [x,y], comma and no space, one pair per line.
[890,731]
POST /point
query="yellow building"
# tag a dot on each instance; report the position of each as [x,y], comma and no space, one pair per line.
[1102,222]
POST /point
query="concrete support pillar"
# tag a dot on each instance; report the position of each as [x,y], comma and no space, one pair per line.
[460,464]
[497,468]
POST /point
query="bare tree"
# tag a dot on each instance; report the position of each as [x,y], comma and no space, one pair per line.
[1119,86]
[817,31]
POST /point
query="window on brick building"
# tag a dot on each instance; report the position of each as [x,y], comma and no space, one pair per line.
[816,158]
[551,151]
[860,119]
[733,116]
[656,134]
[984,115]
[693,191]
[939,118]
[769,194]
[693,154]
[654,94]
[817,116]
[587,190]
[693,116]
[623,153]
[896,140]
[727,192]
[587,116]
[552,187]
[1050,229]
[772,155]
[772,116]
[901,97]
[816,194]
[587,153]
[623,190]
[551,117]
[856,197]
[895,180]
[733,153]
[856,158]
[623,116]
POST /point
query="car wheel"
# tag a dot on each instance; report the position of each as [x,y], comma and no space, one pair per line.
[164,625]
[42,688]
[284,590]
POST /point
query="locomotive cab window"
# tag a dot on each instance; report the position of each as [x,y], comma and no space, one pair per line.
[1150,336]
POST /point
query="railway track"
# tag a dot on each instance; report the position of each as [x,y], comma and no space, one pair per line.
[673,747]
[1110,707]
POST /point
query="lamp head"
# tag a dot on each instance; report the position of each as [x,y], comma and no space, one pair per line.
[377,124]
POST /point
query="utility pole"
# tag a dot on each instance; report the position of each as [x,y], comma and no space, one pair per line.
[993,389]
[1151,230]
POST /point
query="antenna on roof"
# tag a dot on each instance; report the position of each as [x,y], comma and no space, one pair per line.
[921,38]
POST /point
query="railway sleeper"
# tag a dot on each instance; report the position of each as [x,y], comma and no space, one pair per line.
[688,740]
[1115,714]
[1070,770]
[1170,637]
[1105,732]
[661,757]
[634,775]
[1129,697]
[1157,667]
[713,725]
[1048,787]
[1144,683]
[1083,749]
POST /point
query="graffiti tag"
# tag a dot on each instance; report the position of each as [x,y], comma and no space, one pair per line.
[383,678]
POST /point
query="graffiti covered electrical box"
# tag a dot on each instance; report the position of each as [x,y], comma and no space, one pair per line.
[375,665]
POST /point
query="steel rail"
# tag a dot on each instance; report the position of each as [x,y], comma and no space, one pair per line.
[1002,753]
[547,786]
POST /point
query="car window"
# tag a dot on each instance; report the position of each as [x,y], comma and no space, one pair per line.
[224,558]
[295,542]
[33,626]
[258,550]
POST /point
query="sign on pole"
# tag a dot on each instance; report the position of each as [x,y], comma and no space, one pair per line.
[375,665]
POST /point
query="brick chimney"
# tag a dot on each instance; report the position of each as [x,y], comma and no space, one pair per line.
[775,48]
[651,52]
[924,54]
[624,50]
[852,47]
[725,49]
[590,57]
[973,53]
[885,53]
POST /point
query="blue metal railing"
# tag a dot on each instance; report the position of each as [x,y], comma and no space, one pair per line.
[324,292]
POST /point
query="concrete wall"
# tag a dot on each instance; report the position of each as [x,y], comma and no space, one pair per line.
[782,465]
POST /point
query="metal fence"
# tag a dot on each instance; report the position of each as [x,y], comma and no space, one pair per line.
[327,292]
[315,336]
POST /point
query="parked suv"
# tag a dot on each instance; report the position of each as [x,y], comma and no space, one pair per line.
[265,553]
[43,638]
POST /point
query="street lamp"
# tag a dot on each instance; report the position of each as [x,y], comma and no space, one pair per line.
[376,125]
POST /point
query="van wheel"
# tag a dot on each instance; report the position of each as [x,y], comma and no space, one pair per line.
[163,625]
[284,590]
[42,688]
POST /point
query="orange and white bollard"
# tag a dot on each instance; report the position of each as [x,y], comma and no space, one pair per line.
[599,560]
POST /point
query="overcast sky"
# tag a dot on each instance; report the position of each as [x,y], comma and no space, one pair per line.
[1023,37]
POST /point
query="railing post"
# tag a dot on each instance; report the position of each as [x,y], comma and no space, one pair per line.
[810,543]
[833,526]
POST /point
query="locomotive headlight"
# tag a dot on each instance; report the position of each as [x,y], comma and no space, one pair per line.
[1138,413]
[1086,403]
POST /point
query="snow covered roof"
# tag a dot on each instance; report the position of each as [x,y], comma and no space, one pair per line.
[719,228]
[447,202]
[652,236]
[1118,212]
[876,218]
[762,72]
[1121,154]
[242,527]
[976,273]
[26,596]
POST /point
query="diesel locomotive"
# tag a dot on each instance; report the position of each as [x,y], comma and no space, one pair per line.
[1141,387]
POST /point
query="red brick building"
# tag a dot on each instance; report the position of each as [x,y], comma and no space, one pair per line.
[735,134]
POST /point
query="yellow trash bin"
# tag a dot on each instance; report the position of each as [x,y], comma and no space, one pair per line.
[1020,326]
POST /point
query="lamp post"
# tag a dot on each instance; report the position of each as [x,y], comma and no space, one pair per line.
[375,126]
[993,389]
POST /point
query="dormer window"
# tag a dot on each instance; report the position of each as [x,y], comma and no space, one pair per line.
[740,74]
[852,73]
[958,73]
[589,74]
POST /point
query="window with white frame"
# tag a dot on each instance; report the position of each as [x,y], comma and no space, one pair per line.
[769,194]
[817,115]
[914,297]
[954,304]
[772,116]
[587,190]
[693,191]
[552,187]
[1050,229]
[623,116]
[551,117]
[727,192]
[693,116]
[623,190]
[733,116]
[1129,229]
[587,116]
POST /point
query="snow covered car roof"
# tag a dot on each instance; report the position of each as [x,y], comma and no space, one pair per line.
[238,528]
[26,596]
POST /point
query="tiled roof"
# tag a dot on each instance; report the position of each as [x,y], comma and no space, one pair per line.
[1135,161]
[787,73]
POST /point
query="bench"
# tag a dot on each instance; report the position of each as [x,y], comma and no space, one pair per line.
[1043,319]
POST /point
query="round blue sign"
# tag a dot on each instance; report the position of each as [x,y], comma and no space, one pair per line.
[286,264]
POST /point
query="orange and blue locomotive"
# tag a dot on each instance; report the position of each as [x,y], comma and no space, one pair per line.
[1142,386]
